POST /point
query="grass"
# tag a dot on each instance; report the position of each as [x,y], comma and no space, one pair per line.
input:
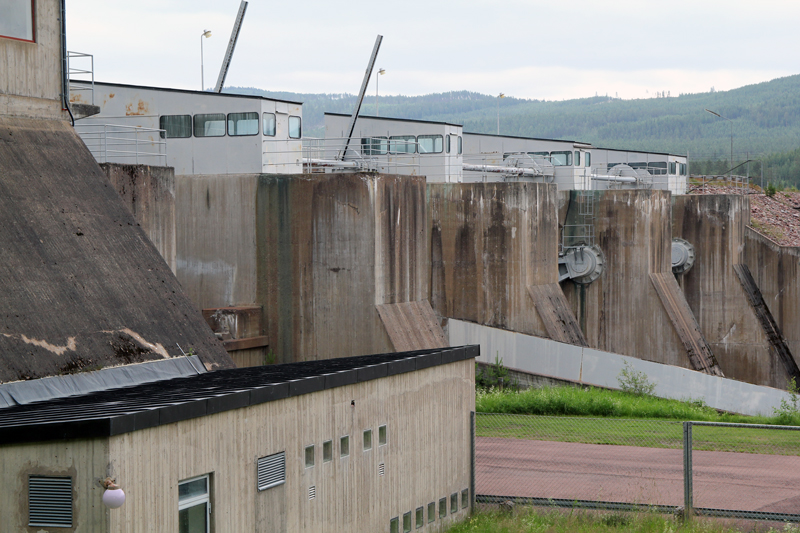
[537,521]
[573,414]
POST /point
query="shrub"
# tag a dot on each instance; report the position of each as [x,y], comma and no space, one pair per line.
[634,381]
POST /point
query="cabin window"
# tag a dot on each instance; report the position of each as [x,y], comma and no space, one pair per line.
[309,456]
[460,145]
[17,20]
[209,125]
[683,169]
[588,159]
[672,169]
[374,145]
[242,124]
[447,144]
[382,435]
[403,144]
[431,512]
[540,155]
[175,126]
[561,159]
[295,127]
[194,505]
[268,124]
[344,446]
[577,158]
[367,439]
[430,144]
[327,451]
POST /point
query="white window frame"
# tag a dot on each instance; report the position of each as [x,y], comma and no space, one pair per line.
[198,500]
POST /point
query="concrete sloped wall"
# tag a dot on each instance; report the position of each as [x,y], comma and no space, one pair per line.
[489,242]
[621,312]
[149,193]
[329,250]
[715,225]
[776,270]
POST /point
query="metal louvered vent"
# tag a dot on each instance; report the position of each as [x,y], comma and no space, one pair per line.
[50,501]
[271,471]
[381,469]
[312,492]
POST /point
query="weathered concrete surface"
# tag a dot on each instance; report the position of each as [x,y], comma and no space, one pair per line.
[776,270]
[715,225]
[329,250]
[83,287]
[30,72]
[489,242]
[621,311]
[216,238]
[149,193]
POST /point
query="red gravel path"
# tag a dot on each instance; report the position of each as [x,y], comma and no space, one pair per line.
[722,480]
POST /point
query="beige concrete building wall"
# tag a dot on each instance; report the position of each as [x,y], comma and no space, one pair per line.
[86,461]
[149,194]
[30,72]
[427,457]
[715,226]
[489,242]
[776,270]
[621,311]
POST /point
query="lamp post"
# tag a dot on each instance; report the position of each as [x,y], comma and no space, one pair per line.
[499,96]
[729,120]
[206,34]
[378,74]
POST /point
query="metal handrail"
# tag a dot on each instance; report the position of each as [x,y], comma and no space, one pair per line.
[81,72]
[104,140]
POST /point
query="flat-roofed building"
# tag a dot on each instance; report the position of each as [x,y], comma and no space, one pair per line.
[666,171]
[371,443]
[196,132]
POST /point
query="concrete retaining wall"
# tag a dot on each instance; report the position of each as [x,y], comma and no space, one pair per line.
[599,368]
[715,225]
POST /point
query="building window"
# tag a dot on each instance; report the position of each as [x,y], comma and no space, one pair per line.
[672,169]
[374,145]
[407,522]
[194,505]
[242,124]
[344,446]
[382,435]
[209,125]
[367,439]
[309,456]
[49,501]
[420,519]
[18,19]
[453,502]
[175,126]
[430,144]
[561,159]
[394,525]
[268,124]
[442,507]
[327,451]
[464,498]
[577,158]
[295,127]
[447,144]
[588,159]
[460,146]
[271,471]
[431,512]
[403,144]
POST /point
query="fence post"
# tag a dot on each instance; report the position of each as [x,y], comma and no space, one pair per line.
[472,462]
[687,471]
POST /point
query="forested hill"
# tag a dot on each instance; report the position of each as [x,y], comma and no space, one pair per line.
[765,117]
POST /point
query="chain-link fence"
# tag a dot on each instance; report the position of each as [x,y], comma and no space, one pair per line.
[709,468]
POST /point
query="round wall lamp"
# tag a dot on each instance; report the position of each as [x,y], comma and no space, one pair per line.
[113,496]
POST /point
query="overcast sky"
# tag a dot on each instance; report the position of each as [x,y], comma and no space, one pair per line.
[529,49]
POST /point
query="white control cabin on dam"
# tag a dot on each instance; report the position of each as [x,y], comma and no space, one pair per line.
[195,132]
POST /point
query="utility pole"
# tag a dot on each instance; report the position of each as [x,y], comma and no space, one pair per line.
[501,95]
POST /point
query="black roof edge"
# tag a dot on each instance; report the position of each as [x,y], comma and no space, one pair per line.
[99,424]
[399,119]
[189,91]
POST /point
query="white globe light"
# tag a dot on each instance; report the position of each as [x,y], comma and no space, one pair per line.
[113,498]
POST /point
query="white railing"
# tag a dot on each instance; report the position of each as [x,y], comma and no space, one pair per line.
[114,143]
[83,75]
